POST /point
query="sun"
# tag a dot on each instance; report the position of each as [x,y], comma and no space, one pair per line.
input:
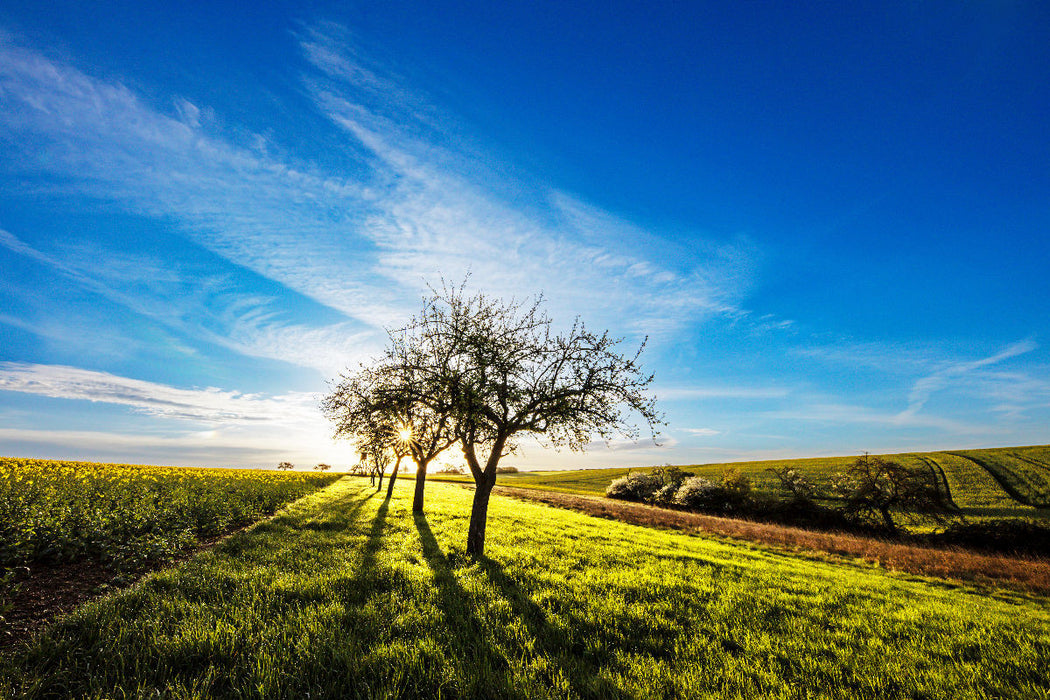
[405,434]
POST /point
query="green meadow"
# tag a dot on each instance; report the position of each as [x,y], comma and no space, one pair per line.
[346,594]
[1000,482]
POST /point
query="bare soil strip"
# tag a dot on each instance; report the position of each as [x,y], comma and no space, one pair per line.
[1029,575]
[49,590]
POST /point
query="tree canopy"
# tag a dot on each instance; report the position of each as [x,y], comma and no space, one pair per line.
[873,489]
[486,373]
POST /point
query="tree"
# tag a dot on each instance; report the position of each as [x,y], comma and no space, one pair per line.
[322,467]
[398,445]
[874,488]
[375,458]
[500,372]
[285,466]
[798,486]
[380,405]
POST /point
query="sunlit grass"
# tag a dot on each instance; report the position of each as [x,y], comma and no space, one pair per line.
[348,595]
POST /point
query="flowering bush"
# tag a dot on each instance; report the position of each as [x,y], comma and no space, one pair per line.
[635,487]
[698,493]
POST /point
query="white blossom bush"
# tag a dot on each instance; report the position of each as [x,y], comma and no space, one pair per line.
[698,492]
[635,487]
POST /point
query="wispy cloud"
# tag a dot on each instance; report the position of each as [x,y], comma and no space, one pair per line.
[362,246]
[205,305]
[702,432]
[437,213]
[883,357]
[207,448]
[838,413]
[206,405]
[193,425]
[690,393]
[950,373]
[923,373]
[284,220]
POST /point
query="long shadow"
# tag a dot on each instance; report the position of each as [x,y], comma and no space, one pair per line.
[366,580]
[570,655]
[345,518]
[467,634]
[374,539]
[354,588]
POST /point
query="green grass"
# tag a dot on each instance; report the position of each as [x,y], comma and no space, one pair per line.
[347,595]
[975,478]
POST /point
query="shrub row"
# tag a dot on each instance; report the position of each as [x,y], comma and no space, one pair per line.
[861,499]
[672,486]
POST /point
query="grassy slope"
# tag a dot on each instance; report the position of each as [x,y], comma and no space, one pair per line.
[973,487]
[345,595]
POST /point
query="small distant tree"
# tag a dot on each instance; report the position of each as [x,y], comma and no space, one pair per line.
[799,488]
[322,467]
[450,469]
[874,489]
[285,466]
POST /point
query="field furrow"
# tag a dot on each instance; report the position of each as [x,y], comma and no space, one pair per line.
[1024,479]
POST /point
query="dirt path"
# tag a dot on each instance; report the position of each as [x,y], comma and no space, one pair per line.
[1017,573]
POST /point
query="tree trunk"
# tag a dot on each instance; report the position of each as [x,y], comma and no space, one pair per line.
[393,478]
[888,519]
[484,480]
[380,487]
[479,513]
[421,480]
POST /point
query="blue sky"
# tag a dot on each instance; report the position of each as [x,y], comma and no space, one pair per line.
[830,222]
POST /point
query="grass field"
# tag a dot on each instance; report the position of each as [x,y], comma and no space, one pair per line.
[347,595]
[1002,482]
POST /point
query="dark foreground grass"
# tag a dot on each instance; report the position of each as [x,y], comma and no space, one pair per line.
[349,595]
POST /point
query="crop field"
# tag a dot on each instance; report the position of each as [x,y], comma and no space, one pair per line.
[346,594]
[1024,473]
[1001,482]
[125,514]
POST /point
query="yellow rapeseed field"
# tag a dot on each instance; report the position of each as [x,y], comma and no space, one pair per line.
[124,513]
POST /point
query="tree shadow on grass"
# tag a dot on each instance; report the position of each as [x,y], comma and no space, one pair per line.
[467,634]
[367,579]
[374,539]
[337,521]
[560,651]
[564,650]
